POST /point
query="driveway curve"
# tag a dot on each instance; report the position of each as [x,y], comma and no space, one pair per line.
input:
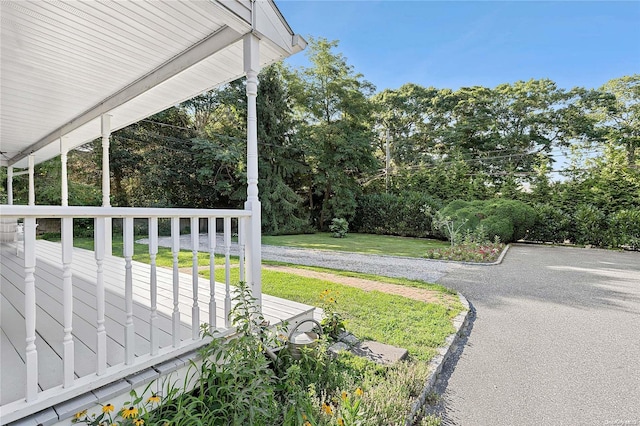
[555,340]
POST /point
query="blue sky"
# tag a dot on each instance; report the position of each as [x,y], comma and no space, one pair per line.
[451,44]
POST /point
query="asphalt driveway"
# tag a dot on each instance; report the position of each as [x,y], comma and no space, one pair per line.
[555,340]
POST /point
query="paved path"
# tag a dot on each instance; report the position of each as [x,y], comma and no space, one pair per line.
[555,340]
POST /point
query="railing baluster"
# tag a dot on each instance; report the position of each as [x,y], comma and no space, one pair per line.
[153,251]
[195,245]
[212,272]
[227,270]
[241,230]
[101,331]
[31,382]
[129,332]
[67,289]
[175,248]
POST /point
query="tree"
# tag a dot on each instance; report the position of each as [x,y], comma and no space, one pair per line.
[618,114]
[335,130]
[280,158]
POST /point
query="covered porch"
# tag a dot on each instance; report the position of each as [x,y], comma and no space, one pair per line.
[73,320]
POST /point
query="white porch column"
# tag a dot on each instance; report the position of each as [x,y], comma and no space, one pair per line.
[32,190]
[64,186]
[10,185]
[254,239]
[106,181]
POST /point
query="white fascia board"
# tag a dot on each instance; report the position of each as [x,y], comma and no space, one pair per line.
[197,53]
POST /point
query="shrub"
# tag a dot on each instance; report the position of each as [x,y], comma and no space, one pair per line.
[590,225]
[508,219]
[624,229]
[339,227]
[552,225]
[396,214]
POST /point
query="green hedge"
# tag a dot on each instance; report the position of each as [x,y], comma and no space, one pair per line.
[404,214]
[508,219]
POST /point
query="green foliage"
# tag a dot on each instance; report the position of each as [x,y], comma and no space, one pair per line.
[508,219]
[624,229]
[332,322]
[404,214]
[335,131]
[339,227]
[235,382]
[552,224]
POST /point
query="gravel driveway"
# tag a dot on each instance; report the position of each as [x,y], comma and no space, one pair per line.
[555,341]
[414,268]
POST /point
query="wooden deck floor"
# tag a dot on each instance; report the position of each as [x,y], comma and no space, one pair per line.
[49,315]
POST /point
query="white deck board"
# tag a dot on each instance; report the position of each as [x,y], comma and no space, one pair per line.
[49,315]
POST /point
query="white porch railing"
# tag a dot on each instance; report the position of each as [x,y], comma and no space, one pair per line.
[71,385]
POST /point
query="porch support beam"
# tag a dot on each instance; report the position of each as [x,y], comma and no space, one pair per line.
[32,190]
[254,240]
[105,126]
[10,185]
[64,184]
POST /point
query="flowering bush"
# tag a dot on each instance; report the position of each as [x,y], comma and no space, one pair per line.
[468,252]
[134,413]
[332,322]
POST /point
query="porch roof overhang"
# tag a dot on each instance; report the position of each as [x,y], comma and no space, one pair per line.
[64,64]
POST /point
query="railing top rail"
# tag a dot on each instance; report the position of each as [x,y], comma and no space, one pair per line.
[22,211]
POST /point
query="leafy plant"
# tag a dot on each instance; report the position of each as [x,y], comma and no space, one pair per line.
[332,322]
[339,227]
[136,412]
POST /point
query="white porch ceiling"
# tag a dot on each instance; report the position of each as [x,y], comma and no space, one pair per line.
[65,63]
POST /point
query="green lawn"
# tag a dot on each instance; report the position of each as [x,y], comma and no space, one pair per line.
[420,327]
[141,252]
[417,326]
[358,243]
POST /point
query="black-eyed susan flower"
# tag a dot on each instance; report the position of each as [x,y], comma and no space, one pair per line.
[359,392]
[340,421]
[80,414]
[130,412]
[154,398]
[344,395]
[138,422]
[107,408]
[327,408]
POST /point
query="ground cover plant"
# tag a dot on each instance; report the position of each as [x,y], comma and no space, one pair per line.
[237,384]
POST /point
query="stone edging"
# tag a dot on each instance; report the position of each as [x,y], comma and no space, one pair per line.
[436,364]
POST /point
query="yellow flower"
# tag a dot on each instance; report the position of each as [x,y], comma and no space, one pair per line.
[304,416]
[108,408]
[359,392]
[307,423]
[138,422]
[327,408]
[80,414]
[154,398]
[129,413]
[340,422]
[344,395]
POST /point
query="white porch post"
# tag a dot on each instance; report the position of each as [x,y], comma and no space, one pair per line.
[254,239]
[64,189]
[32,190]
[10,185]
[106,181]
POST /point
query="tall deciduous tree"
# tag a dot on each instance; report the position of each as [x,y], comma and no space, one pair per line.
[619,115]
[336,132]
